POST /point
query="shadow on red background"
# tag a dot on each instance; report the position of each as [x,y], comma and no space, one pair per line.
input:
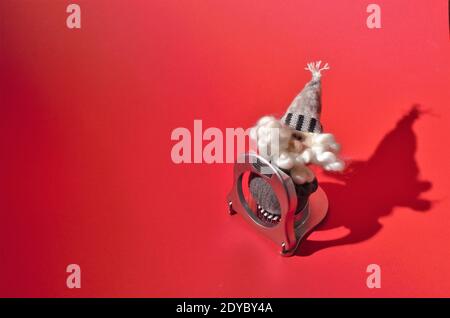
[389,178]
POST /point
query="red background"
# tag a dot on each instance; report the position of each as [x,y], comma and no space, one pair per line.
[86,175]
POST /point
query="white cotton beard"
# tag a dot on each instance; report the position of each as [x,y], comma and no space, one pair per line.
[319,149]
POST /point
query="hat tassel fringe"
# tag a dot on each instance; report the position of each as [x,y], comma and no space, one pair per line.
[315,69]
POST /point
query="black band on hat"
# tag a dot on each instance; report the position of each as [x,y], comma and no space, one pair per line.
[302,122]
[312,124]
[299,124]
[288,119]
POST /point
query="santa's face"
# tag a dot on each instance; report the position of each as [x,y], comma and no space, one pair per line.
[296,149]
[299,141]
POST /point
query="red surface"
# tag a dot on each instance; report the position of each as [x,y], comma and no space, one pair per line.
[86,175]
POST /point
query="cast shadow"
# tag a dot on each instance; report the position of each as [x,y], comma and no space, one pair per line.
[372,188]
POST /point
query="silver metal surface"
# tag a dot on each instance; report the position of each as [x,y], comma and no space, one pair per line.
[288,229]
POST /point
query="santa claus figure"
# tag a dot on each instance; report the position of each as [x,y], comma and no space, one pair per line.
[300,141]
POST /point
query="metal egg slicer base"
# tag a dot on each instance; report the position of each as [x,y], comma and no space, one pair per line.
[287,229]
